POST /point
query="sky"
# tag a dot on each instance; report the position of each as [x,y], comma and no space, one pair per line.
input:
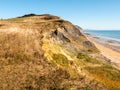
[88,14]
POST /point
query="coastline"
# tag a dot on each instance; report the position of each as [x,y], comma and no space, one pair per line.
[107,50]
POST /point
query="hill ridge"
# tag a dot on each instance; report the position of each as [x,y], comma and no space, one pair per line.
[45,52]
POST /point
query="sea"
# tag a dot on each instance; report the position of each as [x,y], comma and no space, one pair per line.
[107,35]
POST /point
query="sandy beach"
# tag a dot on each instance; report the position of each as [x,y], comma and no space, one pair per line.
[107,51]
[113,44]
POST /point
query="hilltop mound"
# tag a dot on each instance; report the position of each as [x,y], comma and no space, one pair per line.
[45,52]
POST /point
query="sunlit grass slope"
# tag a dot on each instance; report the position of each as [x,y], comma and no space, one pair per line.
[45,52]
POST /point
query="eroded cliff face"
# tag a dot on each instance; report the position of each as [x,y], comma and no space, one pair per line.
[45,52]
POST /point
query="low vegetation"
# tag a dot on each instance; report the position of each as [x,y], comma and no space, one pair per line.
[32,58]
[106,74]
[61,59]
[87,58]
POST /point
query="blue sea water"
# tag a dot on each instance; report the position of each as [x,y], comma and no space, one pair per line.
[106,34]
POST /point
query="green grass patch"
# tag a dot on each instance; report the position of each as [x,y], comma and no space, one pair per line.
[61,59]
[87,58]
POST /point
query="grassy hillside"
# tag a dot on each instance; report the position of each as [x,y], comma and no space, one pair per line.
[45,52]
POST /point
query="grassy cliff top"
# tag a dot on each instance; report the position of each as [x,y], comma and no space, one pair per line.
[45,52]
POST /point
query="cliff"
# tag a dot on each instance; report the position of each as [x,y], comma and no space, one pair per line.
[45,52]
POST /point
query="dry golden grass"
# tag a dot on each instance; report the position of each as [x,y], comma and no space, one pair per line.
[106,74]
[32,59]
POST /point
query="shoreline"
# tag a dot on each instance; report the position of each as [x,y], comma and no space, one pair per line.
[107,50]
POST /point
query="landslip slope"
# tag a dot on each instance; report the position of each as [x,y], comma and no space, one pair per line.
[45,52]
